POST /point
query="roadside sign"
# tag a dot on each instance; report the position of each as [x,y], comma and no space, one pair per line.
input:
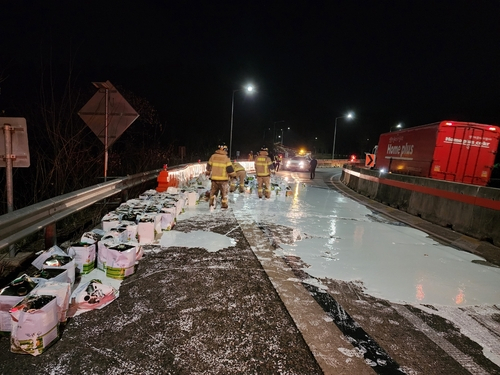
[19,149]
[120,113]
[370,160]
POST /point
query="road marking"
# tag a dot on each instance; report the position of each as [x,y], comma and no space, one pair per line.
[372,352]
[325,340]
[462,358]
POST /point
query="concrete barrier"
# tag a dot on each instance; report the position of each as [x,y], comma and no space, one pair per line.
[468,209]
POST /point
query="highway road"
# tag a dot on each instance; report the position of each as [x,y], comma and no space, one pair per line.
[319,281]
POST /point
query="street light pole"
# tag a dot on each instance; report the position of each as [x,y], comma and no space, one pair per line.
[231,132]
[350,115]
[249,88]
[274,129]
[282,135]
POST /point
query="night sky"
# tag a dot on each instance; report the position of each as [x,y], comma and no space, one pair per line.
[411,62]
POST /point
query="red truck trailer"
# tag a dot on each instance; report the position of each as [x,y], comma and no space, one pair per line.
[447,150]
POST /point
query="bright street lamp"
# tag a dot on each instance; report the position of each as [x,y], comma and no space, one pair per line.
[274,129]
[282,135]
[349,116]
[398,126]
[248,89]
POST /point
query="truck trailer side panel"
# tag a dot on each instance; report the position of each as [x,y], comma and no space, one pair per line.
[408,151]
[449,150]
[465,152]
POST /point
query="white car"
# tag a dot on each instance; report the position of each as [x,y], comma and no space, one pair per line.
[297,163]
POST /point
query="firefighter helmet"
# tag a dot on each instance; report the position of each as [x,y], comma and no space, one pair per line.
[263,148]
[223,147]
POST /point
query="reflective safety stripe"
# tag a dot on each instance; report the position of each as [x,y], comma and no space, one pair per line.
[220,163]
[238,167]
[261,166]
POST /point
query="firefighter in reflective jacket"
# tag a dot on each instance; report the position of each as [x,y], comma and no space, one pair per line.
[219,168]
[241,174]
[263,169]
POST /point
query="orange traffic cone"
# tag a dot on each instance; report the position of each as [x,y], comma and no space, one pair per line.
[162,180]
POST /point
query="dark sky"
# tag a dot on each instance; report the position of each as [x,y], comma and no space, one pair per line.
[414,62]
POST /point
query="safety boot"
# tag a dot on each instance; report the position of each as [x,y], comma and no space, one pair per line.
[223,204]
[212,202]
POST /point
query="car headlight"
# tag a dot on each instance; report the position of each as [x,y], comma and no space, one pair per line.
[301,165]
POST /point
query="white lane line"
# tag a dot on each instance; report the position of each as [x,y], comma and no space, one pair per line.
[462,358]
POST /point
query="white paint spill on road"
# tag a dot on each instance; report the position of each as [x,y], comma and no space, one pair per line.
[208,240]
[397,263]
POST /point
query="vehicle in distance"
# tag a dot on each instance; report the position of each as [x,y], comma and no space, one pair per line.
[297,163]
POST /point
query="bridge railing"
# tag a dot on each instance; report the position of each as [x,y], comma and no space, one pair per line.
[19,224]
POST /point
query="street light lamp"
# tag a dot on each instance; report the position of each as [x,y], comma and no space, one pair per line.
[248,89]
[349,116]
[274,129]
[282,135]
[398,126]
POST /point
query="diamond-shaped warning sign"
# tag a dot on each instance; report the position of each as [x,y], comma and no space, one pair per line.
[120,113]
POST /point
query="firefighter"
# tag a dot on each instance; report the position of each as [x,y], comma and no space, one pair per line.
[263,169]
[219,168]
[241,174]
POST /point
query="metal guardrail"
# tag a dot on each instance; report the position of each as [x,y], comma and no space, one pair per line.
[21,223]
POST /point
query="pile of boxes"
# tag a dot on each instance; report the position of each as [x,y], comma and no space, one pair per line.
[32,307]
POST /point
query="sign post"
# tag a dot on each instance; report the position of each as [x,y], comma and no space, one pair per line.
[14,152]
[108,115]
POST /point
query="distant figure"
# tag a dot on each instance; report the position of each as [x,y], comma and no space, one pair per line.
[250,156]
[312,167]
[277,162]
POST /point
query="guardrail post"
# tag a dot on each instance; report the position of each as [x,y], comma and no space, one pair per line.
[50,235]
[124,195]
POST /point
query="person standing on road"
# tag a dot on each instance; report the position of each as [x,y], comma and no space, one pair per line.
[277,162]
[219,168]
[250,156]
[312,167]
[241,174]
[263,169]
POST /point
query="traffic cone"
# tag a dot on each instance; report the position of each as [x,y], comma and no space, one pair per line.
[162,180]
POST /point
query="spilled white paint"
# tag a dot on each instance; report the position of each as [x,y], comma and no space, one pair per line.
[210,241]
[341,239]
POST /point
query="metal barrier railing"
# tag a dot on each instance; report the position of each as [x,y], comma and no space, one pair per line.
[21,223]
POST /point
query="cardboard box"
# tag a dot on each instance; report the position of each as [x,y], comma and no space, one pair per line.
[120,261]
[35,325]
[62,292]
[84,255]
